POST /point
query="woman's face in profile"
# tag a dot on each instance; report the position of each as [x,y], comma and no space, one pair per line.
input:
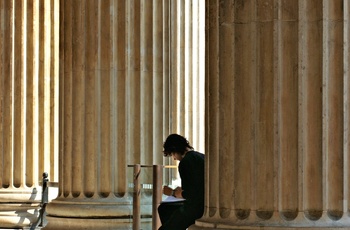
[176,156]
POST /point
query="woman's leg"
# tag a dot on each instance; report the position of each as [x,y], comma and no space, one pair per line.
[178,221]
[166,210]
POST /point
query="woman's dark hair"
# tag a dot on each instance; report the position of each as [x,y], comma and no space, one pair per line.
[175,143]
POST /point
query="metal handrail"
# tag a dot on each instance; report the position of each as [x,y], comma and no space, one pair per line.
[156,196]
[45,184]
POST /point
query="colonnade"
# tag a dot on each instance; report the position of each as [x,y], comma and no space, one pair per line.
[118,82]
[112,92]
[130,72]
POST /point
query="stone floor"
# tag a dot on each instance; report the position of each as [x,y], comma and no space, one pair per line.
[24,228]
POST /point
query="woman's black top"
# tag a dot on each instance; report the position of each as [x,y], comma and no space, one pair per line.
[191,169]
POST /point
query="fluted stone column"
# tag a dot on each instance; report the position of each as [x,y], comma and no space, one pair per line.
[28,106]
[277,125]
[113,93]
[187,70]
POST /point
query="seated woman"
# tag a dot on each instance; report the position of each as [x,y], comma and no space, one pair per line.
[180,215]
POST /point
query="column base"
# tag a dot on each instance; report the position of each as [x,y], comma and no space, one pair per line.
[194,227]
[274,222]
[95,213]
[59,223]
[18,215]
[19,207]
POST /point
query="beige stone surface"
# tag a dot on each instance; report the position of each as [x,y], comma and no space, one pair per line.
[116,81]
[277,107]
[277,113]
[28,106]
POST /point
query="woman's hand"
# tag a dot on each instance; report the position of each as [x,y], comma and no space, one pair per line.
[178,192]
[167,190]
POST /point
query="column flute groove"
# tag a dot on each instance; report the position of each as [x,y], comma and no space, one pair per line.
[288,110]
[147,80]
[78,99]
[105,103]
[264,156]
[188,69]
[333,80]
[160,77]
[346,106]
[118,100]
[226,113]
[18,93]
[311,104]
[242,99]
[133,73]
[212,109]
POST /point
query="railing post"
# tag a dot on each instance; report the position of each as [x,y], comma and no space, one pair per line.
[157,194]
[136,225]
[44,199]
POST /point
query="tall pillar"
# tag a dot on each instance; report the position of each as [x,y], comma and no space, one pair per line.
[184,35]
[187,70]
[28,106]
[113,94]
[277,112]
